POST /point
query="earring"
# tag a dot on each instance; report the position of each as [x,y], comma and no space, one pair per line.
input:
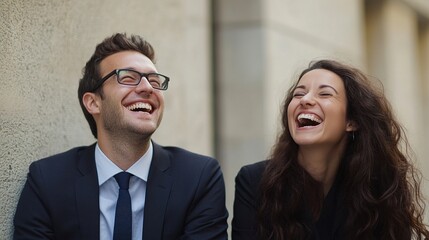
[353,135]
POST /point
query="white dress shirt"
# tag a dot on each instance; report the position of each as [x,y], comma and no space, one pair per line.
[109,190]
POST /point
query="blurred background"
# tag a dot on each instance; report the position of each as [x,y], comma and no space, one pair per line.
[230,63]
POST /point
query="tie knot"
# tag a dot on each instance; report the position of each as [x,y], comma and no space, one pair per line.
[123,179]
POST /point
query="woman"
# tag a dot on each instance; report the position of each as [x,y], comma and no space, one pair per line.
[337,170]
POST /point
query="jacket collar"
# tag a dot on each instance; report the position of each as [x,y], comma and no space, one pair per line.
[87,194]
[157,193]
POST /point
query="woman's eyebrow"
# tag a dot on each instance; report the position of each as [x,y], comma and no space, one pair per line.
[328,86]
[320,87]
[299,87]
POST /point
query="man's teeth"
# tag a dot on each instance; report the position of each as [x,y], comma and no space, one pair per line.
[140,105]
[311,117]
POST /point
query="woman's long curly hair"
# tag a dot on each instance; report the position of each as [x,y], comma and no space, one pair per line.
[382,187]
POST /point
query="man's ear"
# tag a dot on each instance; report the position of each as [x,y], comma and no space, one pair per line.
[351,126]
[91,101]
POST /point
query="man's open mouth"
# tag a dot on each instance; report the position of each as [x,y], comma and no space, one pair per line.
[140,107]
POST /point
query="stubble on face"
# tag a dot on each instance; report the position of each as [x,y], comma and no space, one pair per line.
[116,124]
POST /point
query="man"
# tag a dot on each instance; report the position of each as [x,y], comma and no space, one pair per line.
[172,193]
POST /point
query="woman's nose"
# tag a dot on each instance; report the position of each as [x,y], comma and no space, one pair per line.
[307,100]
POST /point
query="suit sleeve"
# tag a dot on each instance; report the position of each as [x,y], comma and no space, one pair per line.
[207,218]
[32,220]
[244,223]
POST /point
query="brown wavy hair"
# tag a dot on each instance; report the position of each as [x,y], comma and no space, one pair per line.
[380,184]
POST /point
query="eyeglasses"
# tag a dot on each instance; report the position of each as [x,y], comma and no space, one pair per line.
[133,78]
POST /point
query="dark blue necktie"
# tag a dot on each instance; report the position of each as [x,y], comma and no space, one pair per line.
[123,216]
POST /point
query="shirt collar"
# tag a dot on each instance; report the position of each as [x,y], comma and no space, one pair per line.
[107,169]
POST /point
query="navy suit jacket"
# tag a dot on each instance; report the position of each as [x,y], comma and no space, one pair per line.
[185,197]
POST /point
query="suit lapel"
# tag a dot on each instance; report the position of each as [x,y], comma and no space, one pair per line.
[157,194]
[87,194]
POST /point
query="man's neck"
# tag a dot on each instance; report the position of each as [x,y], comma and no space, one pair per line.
[123,152]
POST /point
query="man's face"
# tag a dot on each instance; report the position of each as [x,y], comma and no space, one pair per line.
[128,110]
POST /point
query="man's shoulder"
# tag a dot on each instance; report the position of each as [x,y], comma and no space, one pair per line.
[184,159]
[61,169]
[65,157]
[184,154]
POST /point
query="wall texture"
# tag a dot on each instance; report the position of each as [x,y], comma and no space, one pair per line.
[45,44]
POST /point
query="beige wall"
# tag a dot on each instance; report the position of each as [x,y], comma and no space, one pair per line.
[397,45]
[45,44]
[260,46]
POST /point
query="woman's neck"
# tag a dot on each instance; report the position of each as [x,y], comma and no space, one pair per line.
[321,163]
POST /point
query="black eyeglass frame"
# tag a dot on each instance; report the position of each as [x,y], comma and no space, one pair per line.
[146,75]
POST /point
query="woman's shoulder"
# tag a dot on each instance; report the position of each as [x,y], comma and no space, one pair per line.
[251,173]
[254,168]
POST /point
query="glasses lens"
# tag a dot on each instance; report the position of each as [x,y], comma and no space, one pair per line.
[131,77]
[157,81]
[128,77]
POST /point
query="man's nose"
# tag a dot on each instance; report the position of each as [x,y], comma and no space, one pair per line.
[144,86]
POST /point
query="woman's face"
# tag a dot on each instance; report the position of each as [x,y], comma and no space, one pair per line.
[317,112]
